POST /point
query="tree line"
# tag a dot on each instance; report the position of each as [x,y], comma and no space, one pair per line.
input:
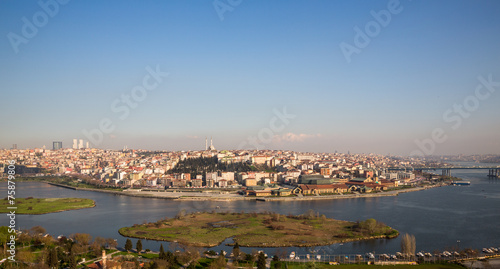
[203,165]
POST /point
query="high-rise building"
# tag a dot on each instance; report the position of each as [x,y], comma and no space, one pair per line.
[56,145]
[80,144]
[87,145]
[14,146]
[75,143]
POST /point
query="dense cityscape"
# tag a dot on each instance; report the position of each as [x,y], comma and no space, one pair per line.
[260,173]
[225,174]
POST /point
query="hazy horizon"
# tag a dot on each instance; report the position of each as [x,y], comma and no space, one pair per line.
[384,77]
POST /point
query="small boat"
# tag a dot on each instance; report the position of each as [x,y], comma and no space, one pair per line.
[292,255]
[460,183]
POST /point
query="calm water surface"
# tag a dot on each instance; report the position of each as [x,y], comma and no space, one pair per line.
[437,217]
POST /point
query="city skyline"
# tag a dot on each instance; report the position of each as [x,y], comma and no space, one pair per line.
[388,77]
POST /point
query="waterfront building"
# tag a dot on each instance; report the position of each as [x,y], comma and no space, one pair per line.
[314,180]
[307,189]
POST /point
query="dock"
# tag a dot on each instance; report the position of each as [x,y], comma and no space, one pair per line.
[494,173]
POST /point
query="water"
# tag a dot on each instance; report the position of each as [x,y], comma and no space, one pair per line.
[437,217]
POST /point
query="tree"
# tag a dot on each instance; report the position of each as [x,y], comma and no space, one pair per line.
[282,253]
[408,244]
[37,230]
[311,265]
[249,258]
[128,245]
[111,243]
[236,251]
[220,262]
[162,253]
[181,214]
[82,239]
[277,263]
[101,241]
[160,264]
[138,246]
[170,257]
[52,260]
[4,237]
[96,248]
[261,261]
[370,225]
[310,214]
[72,262]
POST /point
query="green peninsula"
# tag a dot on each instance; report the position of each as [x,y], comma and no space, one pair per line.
[37,206]
[258,229]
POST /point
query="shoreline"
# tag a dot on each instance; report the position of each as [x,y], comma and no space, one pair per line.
[244,227]
[185,196]
[301,245]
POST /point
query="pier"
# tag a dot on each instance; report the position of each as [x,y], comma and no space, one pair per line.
[446,172]
[494,173]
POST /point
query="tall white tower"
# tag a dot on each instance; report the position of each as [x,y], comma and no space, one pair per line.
[206,143]
[211,144]
[75,143]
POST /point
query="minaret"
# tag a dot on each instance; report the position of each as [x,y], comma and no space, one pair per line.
[206,143]
[211,145]
[104,259]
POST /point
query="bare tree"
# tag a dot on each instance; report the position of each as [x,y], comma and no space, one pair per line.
[111,243]
[408,244]
[81,238]
[370,225]
[181,214]
[101,241]
[310,214]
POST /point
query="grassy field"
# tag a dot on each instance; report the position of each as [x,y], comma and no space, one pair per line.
[68,181]
[366,266]
[256,230]
[37,206]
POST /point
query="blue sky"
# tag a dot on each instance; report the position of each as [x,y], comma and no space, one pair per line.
[226,77]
